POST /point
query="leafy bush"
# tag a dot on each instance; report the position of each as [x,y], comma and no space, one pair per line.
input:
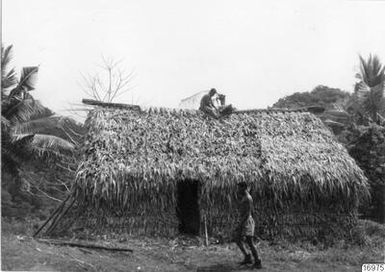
[369,152]
[368,233]
[320,95]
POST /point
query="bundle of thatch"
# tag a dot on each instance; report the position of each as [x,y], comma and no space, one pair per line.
[133,160]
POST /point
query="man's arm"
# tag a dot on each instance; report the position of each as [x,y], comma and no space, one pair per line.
[248,204]
[210,103]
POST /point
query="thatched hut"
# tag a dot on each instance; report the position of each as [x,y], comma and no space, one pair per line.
[162,171]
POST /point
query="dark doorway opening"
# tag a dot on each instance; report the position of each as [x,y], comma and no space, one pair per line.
[187,207]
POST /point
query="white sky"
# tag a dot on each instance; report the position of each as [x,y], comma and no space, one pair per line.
[253,51]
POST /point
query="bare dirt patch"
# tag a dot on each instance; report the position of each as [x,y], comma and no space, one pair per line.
[21,252]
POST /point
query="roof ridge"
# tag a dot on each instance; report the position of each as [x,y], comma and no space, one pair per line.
[270,110]
[151,108]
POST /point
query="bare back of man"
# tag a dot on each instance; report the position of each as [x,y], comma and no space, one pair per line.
[207,105]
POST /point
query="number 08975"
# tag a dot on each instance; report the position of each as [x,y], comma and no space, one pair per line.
[373,267]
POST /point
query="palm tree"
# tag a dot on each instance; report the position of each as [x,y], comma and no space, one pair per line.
[23,119]
[369,91]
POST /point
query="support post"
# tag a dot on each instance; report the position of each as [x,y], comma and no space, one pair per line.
[206,235]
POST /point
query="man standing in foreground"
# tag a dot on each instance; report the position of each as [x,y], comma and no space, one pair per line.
[245,230]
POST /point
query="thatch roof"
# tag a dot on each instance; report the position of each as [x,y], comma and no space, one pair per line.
[130,151]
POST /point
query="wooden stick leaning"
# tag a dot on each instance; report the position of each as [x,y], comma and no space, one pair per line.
[52,215]
[54,219]
[60,216]
[85,245]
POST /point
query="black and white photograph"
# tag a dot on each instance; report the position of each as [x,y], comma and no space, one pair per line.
[205,136]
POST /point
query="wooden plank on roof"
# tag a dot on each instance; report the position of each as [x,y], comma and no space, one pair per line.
[273,110]
[313,109]
[110,105]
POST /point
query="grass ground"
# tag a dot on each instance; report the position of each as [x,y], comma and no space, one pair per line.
[21,252]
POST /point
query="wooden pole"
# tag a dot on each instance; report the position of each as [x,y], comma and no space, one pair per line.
[60,216]
[82,244]
[206,235]
[108,104]
[55,218]
[52,215]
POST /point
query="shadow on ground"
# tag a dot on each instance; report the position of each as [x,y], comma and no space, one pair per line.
[222,268]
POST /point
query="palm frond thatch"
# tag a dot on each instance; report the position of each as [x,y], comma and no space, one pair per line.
[291,153]
[134,161]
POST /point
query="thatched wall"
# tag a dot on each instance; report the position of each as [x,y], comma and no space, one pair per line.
[133,160]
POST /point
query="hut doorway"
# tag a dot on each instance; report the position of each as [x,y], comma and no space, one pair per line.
[187,207]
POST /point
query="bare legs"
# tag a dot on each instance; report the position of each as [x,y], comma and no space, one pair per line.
[242,247]
[250,243]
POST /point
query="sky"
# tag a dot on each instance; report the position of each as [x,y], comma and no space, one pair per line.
[253,51]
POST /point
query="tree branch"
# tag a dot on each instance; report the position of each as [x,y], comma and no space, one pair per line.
[114,83]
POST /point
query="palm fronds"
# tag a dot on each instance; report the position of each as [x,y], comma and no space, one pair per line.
[18,111]
[28,78]
[28,128]
[37,126]
[41,145]
[50,144]
[371,71]
[27,83]
[5,124]
[6,55]
[368,96]
[59,126]
[8,77]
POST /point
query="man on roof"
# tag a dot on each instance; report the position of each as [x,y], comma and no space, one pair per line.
[207,105]
[245,230]
[213,104]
